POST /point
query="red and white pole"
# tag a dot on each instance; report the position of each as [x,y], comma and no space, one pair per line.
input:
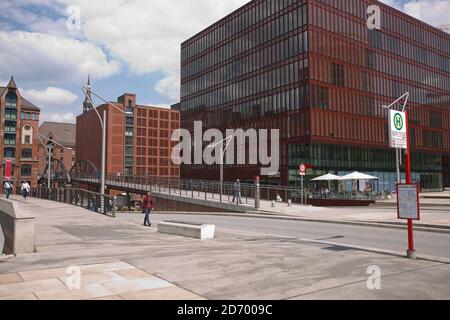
[411,253]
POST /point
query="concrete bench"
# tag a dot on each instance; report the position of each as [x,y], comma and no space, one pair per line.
[187,229]
[17,227]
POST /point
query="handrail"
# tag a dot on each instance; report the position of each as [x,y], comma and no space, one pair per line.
[100,203]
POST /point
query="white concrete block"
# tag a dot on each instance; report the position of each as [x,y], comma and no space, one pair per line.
[186,229]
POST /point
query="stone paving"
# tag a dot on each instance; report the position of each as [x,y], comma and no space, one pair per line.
[106,281]
[120,259]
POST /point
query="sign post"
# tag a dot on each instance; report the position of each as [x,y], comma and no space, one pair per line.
[399,139]
[302,173]
[411,253]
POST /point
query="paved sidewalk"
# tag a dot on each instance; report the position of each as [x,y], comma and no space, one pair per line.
[106,281]
[120,259]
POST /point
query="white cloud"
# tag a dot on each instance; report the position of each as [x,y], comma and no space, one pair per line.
[50,97]
[68,117]
[169,86]
[432,12]
[147,34]
[32,56]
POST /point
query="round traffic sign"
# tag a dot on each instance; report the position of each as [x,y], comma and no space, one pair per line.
[398,121]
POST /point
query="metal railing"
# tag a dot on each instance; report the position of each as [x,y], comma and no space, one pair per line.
[93,201]
[210,190]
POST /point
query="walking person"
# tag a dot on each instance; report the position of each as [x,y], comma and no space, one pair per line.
[25,188]
[237,192]
[148,203]
[8,188]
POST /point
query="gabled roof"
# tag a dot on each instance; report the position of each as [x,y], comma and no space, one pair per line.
[12,83]
[27,105]
[63,133]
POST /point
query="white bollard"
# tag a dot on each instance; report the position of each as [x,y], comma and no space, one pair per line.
[273,204]
[290,203]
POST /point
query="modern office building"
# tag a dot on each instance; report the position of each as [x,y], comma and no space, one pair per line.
[63,134]
[19,120]
[316,71]
[138,138]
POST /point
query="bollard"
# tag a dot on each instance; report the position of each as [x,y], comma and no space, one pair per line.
[257,193]
[273,204]
[290,203]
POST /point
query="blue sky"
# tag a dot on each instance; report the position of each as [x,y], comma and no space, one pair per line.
[126,46]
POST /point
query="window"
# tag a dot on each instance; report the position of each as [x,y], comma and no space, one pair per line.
[27,134]
[338,74]
[27,154]
[9,153]
[25,170]
[11,100]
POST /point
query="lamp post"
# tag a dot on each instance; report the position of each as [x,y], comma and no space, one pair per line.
[222,153]
[103,123]
[48,149]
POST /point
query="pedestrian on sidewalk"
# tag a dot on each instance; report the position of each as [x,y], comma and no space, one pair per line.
[25,188]
[8,188]
[148,203]
[237,192]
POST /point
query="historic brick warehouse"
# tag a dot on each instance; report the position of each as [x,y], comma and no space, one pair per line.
[314,70]
[64,136]
[19,131]
[138,138]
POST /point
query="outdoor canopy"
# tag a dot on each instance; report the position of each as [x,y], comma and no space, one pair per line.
[358,176]
[327,177]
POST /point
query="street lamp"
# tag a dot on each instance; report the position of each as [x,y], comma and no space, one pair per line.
[222,153]
[87,89]
[48,148]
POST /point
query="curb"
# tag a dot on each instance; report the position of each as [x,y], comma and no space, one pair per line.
[381,251]
[267,215]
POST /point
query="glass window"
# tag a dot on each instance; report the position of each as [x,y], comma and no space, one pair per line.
[25,170]
[27,154]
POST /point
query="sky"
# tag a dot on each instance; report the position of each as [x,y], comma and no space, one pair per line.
[50,46]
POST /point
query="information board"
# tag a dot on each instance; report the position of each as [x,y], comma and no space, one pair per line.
[408,201]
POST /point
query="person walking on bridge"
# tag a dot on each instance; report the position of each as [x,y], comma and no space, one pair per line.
[237,192]
[148,203]
[8,188]
[25,189]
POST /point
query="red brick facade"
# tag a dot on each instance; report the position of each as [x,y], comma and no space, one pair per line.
[138,138]
[19,135]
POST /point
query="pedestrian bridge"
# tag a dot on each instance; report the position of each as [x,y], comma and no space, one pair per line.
[188,193]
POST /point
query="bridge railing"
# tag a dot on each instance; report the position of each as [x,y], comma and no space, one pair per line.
[204,189]
[93,201]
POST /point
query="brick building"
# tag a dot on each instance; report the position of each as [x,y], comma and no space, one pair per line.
[138,138]
[314,70]
[19,142]
[64,135]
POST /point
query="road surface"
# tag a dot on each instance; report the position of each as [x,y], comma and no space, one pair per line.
[427,243]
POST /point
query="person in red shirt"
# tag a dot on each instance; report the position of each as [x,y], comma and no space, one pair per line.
[148,203]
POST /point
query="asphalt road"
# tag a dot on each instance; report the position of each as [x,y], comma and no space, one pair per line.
[427,243]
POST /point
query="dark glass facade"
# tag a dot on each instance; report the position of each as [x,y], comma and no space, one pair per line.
[314,70]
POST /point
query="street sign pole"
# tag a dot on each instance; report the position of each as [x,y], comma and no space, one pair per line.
[302,173]
[302,192]
[411,253]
